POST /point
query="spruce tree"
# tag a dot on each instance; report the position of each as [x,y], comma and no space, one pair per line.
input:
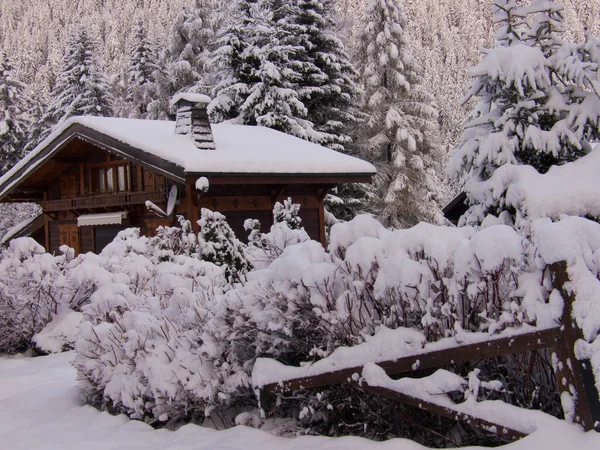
[140,73]
[13,115]
[81,87]
[193,36]
[327,87]
[402,131]
[534,106]
[259,83]
[185,63]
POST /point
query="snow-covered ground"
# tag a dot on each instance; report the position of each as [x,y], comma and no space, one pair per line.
[40,409]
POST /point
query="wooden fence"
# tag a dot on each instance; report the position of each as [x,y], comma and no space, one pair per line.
[574,378]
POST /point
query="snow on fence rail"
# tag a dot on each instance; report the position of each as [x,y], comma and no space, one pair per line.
[369,365]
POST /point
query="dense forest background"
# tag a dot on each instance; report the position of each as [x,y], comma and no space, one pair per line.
[446,37]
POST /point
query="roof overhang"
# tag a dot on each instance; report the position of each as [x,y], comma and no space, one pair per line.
[55,143]
[111,218]
[281,178]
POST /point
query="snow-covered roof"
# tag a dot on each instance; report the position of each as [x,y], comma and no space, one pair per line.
[241,150]
[192,98]
[23,228]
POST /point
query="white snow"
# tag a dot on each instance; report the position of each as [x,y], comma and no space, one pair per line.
[239,149]
[40,409]
[62,331]
[202,184]
[190,97]
[571,189]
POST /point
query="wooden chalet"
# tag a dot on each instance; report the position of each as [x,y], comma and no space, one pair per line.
[95,176]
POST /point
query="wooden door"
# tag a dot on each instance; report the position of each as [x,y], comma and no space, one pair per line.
[69,235]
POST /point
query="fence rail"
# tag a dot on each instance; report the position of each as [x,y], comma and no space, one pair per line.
[575,384]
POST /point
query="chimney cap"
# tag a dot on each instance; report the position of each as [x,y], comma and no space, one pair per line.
[191,98]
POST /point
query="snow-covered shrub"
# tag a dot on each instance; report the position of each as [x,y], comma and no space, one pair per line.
[289,213]
[28,295]
[264,248]
[219,245]
[139,348]
[171,241]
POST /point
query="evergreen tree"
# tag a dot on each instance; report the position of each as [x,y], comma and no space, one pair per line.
[402,130]
[185,65]
[281,67]
[81,87]
[192,40]
[259,83]
[13,115]
[140,73]
[534,106]
[327,87]
[219,245]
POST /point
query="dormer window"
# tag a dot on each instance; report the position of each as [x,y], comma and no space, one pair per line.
[110,178]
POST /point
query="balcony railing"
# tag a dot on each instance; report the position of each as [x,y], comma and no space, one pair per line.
[103,201]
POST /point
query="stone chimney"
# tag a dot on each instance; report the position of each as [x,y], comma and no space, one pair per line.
[192,119]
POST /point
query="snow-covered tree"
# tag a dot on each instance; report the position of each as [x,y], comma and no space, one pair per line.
[193,36]
[402,129]
[81,87]
[536,106]
[260,84]
[288,213]
[327,86]
[141,69]
[281,67]
[219,245]
[14,121]
[184,64]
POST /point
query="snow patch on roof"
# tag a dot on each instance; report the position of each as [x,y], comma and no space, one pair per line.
[193,98]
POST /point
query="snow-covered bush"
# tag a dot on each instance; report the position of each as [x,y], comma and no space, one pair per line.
[28,294]
[171,241]
[219,245]
[264,248]
[139,348]
[289,213]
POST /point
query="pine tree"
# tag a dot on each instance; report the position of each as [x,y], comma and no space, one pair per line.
[140,73]
[13,115]
[81,87]
[532,106]
[327,86]
[259,84]
[193,36]
[402,130]
[185,64]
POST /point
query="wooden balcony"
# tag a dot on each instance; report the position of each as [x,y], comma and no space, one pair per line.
[103,201]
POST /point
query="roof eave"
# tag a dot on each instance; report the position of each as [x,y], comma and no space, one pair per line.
[285,178]
[100,140]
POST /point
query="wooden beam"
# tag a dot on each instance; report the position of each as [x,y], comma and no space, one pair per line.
[450,413]
[582,393]
[81,178]
[283,178]
[431,360]
[46,227]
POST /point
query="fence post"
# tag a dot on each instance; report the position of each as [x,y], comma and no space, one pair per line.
[574,377]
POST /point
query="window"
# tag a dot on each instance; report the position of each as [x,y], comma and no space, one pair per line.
[114,178]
